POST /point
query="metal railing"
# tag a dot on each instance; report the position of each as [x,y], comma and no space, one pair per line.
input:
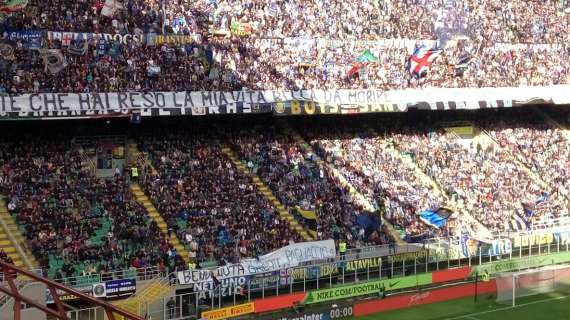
[5,298]
[321,276]
[141,274]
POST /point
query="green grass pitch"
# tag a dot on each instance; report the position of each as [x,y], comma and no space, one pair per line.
[552,306]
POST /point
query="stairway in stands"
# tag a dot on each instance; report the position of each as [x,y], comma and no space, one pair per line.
[137,158]
[143,199]
[485,139]
[308,235]
[12,240]
[478,230]
[154,290]
[367,205]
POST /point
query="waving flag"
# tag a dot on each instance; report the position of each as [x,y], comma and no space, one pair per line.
[78,47]
[362,62]
[53,60]
[366,56]
[13,5]
[436,218]
[420,61]
[355,69]
[110,7]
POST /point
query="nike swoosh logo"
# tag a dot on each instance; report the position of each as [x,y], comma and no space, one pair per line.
[393,283]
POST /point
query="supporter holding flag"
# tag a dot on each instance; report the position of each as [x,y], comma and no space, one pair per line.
[110,7]
[78,47]
[362,62]
[528,209]
[421,60]
[436,218]
[462,64]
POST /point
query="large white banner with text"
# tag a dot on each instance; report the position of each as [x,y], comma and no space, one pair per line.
[286,257]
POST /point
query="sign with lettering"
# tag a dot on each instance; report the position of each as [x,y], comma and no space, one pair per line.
[229,312]
[286,257]
[365,288]
[304,102]
[66,37]
[118,288]
[32,39]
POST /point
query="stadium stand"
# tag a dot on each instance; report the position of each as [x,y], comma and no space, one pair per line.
[195,191]
[300,182]
[514,171]
[484,176]
[258,45]
[213,192]
[375,168]
[76,224]
[540,22]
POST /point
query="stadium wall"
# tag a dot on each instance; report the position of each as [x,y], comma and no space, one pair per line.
[423,297]
[289,300]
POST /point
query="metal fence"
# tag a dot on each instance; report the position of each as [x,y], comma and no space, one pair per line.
[141,274]
[363,265]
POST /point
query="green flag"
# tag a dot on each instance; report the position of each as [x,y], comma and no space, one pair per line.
[367,56]
[13,5]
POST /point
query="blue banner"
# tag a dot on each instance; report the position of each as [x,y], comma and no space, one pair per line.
[32,39]
[118,288]
[437,218]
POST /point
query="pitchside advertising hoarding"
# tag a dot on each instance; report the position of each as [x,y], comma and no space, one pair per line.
[366,288]
[235,279]
[339,310]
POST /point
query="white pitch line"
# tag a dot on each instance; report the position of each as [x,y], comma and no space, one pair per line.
[470,316]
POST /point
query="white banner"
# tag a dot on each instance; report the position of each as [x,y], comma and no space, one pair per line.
[66,37]
[280,102]
[284,258]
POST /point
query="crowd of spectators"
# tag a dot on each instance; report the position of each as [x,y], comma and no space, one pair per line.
[136,17]
[376,169]
[266,64]
[542,148]
[297,179]
[518,21]
[75,223]
[216,209]
[260,56]
[485,178]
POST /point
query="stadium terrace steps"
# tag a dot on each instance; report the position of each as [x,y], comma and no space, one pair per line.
[9,232]
[344,182]
[143,199]
[264,189]
[155,289]
[480,232]
[485,138]
[135,157]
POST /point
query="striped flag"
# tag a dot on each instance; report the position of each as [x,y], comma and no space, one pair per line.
[421,60]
